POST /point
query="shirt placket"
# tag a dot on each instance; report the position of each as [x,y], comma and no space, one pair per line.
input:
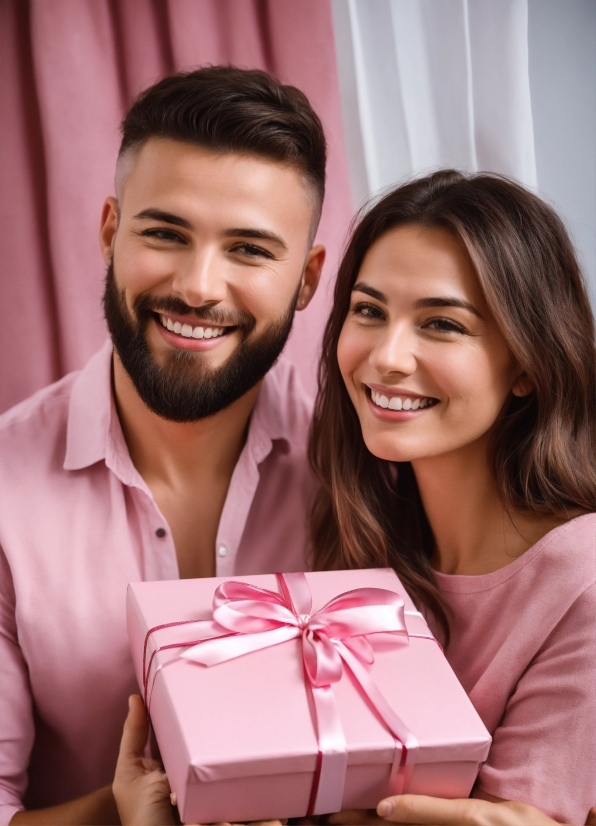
[243,486]
[157,539]
[159,560]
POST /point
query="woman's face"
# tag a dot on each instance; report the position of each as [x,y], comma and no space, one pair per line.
[425,365]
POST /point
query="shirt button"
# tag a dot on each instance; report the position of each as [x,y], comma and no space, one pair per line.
[222,550]
[160,532]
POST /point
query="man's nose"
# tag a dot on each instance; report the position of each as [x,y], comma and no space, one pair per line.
[201,279]
[395,351]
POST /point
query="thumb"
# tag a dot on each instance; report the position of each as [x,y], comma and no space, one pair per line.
[136,729]
[420,809]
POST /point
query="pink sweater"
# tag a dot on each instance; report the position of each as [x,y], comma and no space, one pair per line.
[524,648]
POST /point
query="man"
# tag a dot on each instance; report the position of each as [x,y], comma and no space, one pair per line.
[179,450]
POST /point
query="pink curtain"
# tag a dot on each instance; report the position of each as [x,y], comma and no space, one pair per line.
[68,70]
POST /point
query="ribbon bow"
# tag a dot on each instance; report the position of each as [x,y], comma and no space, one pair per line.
[247,619]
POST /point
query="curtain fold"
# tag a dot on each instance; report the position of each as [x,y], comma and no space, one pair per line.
[426,84]
[68,72]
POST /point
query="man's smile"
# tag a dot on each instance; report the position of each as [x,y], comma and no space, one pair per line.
[192,330]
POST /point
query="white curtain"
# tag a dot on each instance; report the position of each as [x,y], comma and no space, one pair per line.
[434,83]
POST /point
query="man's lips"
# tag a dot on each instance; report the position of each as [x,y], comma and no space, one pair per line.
[190,328]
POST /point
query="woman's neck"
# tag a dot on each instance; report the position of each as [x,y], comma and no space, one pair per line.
[474,532]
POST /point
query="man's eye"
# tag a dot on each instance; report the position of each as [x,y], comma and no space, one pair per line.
[252,251]
[365,310]
[444,325]
[162,235]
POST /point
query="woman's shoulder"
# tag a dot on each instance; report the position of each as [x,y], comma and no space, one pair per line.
[558,570]
[569,550]
[554,580]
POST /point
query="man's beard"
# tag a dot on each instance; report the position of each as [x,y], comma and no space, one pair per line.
[183,389]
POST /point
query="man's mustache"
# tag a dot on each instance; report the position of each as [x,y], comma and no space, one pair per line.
[145,305]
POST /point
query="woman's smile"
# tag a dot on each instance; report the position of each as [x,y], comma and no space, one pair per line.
[395,405]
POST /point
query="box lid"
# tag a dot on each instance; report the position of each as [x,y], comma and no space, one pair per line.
[253,715]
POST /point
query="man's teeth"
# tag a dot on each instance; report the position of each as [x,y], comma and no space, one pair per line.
[399,403]
[187,331]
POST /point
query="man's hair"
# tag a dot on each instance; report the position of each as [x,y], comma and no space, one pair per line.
[226,109]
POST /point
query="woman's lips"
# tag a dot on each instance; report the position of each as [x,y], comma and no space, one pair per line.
[392,406]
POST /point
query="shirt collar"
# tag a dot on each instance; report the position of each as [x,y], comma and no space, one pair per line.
[94,433]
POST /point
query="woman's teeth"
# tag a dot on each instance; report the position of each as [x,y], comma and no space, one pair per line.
[399,402]
[188,331]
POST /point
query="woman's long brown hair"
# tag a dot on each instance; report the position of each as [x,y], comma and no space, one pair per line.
[369,512]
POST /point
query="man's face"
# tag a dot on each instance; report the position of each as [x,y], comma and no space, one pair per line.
[208,258]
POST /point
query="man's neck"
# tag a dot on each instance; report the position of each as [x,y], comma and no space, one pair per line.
[175,452]
[188,468]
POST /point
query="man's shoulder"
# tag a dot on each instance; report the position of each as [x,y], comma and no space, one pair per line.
[37,421]
[46,406]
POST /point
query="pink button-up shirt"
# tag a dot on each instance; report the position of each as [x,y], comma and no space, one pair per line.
[77,523]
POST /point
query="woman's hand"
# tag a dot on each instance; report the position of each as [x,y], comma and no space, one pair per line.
[140,786]
[432,811]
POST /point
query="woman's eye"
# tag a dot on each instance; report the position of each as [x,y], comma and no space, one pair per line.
[252,251]
[444,325]
[364,310]
[162,235]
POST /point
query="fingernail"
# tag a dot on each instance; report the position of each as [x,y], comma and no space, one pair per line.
[130,703]
[385,808]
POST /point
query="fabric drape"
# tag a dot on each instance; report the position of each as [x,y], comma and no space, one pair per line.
[426,84]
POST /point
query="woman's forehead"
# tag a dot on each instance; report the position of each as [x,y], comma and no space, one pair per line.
[417,258]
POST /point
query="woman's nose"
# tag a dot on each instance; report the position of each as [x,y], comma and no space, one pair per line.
[394,351]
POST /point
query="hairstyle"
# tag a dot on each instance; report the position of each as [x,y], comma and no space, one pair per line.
[543,448]
[232,110]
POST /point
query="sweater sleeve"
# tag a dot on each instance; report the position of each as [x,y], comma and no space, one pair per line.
[16,717]
[544,750]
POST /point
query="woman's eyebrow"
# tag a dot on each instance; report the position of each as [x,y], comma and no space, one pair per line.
[361,287]
[447,301]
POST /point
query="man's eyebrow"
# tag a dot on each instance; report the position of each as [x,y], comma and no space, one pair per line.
[361,287]
[262,234]
[165,217]
[447,301]
[151,213]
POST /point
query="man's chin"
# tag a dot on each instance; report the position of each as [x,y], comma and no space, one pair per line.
[183,385]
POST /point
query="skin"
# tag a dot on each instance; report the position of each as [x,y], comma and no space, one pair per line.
[418,327]
[225,231]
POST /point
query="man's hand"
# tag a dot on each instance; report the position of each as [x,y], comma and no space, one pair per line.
[140,786]
[432,811]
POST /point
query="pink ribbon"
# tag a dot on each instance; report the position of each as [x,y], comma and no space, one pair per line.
[247,619]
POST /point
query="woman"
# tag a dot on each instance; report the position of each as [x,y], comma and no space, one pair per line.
[454,437]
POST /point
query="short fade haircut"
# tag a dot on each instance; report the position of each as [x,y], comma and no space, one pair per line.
[227,109]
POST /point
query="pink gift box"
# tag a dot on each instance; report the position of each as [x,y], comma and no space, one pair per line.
[240,739]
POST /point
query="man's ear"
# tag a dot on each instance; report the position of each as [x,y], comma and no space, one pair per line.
[108,227]
[311,275]
[522,386]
